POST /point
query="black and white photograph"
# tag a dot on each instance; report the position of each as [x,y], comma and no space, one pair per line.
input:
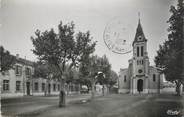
[92,58]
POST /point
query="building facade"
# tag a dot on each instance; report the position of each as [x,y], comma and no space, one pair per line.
[140,77]
[19,81]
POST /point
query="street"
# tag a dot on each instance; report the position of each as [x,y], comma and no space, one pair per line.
[31,104]
[115,105]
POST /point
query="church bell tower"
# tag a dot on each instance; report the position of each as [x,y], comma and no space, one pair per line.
[140,61]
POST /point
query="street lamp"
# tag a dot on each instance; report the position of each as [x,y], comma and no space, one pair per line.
[100,72]
[102,78]
[103,87]
[94,80]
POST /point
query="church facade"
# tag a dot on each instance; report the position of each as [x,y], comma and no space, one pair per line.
[140,77]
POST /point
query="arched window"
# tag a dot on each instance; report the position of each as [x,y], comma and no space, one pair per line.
[125,78]
[142,50]
[154,77]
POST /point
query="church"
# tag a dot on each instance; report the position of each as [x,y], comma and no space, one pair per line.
[140,77]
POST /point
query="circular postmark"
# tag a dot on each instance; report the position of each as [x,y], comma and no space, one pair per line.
[117,36]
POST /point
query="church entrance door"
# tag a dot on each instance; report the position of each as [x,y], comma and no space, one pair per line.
[140,85]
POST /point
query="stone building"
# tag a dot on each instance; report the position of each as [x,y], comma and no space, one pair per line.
[140,77]
[19,81]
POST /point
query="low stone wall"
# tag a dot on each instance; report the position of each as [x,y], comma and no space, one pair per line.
[123,91]
[168,90]
[11,95]
[153,91]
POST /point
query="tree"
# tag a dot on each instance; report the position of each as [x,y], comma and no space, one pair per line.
[88,70]
[105,67]
[6,60]
[113,78]
[95,69]
[92,70]
[85,48]
[55,49]
[62,49]
[170,55]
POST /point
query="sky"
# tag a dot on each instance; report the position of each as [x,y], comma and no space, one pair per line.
[19,19]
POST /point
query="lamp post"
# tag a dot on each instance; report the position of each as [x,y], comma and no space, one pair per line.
[94,80]
[103,87]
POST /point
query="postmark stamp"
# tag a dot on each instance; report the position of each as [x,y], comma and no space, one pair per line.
[117,36]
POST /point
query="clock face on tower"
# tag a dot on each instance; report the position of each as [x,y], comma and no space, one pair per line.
[140,71]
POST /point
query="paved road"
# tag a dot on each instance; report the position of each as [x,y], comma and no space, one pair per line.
[119,105]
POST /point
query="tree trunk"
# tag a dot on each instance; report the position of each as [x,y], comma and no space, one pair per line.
[178,88]
[79,88]
[46,88]
[103,90]
[68,89]
[62,94]
[93,90]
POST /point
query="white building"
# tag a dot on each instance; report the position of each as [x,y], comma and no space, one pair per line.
[19,82]
[140,77]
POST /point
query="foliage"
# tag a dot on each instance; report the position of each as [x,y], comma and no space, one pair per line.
[43,70]
[83,48]
[71,75]
[99,68]
[55,49]
[169,55]
[105,67]
[61,49]
[113,78]
[6,60]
